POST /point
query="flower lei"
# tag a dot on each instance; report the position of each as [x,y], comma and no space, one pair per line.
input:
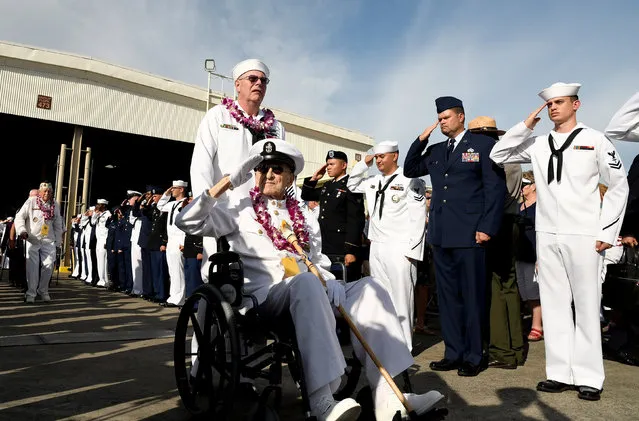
[264,218]
[46,208]
[259,125]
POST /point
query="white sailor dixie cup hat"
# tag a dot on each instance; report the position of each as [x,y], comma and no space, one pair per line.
[559,89]
[386,146]
[133,193]
[248,65]
[103,202]
[280,151]
[180,183]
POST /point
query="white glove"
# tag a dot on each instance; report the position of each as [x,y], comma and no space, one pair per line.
[243,173]
[336,292]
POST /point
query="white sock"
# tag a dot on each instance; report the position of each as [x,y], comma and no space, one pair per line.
[383,392]
[319,396]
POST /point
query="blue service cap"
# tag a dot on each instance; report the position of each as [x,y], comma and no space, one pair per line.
[447,102]
[155,189]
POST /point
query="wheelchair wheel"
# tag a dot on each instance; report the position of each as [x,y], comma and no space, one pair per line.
[206,354]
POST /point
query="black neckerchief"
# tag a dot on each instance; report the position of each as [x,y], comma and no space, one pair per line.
[559,153]
[380,192]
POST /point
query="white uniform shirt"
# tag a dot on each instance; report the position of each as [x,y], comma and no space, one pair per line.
[221,145]
[30,219]
[404,212]
[571,206]
[175,234]
[99,221]
[233,216]
[625,123]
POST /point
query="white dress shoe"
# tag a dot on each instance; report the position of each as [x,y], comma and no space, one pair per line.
[330,410]
[420,403]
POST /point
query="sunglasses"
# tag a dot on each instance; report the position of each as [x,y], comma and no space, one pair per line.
[253,79]
[276,168]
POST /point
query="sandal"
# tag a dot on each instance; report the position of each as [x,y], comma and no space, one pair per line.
[535,335]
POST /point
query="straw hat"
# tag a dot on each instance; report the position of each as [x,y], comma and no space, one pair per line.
[484,124]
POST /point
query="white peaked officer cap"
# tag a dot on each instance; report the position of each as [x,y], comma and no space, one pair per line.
[103,202]
[279,151]
[386,146]
[180,183]
[559,89]
[248,65]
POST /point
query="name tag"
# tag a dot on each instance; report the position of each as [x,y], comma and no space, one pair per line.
[470,157]
[584,148]
[44,231]
[229,126]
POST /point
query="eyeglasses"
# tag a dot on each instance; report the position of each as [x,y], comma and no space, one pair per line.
[277,169]
[253,79]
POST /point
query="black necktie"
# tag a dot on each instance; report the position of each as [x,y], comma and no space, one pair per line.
[380,193]
[559,153]
[450,148]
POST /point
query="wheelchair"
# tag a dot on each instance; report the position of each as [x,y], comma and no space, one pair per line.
[232,345]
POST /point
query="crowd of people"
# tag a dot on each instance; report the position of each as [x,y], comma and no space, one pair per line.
[485,236]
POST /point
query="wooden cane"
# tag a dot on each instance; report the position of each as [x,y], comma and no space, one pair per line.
[290,236]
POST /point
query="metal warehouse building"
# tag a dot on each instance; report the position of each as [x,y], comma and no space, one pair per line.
[98,129]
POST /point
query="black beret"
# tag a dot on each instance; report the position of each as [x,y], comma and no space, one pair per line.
[336,155]
[446,103]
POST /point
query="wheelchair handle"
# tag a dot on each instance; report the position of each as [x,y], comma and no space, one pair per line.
[290,236]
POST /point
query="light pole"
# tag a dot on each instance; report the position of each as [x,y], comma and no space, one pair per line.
[209,66]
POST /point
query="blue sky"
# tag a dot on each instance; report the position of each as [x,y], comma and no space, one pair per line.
[375,67]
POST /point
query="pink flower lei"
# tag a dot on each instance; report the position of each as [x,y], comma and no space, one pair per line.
[264,218]
[259,125]
[46,208]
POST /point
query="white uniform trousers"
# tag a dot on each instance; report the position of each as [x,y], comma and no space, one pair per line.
[101,254]
[76,262]
[369,305]
[87,265]
[136,260]
[398,274]
[569,270]
[175,262]
[40,262]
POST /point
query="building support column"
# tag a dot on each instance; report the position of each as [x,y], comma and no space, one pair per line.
[72,193]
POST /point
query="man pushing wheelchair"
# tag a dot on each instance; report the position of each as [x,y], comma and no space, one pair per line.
[276,275]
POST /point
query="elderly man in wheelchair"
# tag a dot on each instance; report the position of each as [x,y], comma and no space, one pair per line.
[281,284]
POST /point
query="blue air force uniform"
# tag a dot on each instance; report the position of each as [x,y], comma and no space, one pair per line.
[468,197]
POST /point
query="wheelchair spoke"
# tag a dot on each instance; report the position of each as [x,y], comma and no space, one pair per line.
[196,330]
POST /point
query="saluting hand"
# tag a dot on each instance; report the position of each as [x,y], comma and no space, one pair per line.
[427,131]
[532,119]
[319,173]
[369,159]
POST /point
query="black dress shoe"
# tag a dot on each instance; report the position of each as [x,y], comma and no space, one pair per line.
[444,365]
[502,364]
[552,386]
[589,393]
[469,370]
[170,305]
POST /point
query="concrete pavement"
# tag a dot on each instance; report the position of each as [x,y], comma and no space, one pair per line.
[92,354]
